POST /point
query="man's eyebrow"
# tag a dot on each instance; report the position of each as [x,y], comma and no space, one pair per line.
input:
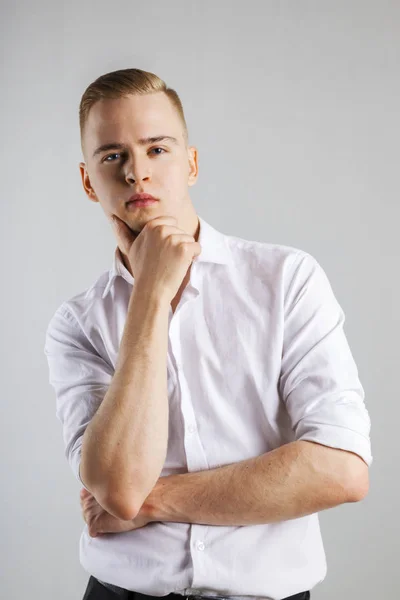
[142,142]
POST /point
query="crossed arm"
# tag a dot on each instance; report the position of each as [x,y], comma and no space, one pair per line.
[294,480]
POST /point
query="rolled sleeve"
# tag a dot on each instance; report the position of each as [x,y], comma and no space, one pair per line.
[80,378]
[319,381]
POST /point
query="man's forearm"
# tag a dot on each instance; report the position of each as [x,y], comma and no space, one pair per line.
[125,444]
[297,479]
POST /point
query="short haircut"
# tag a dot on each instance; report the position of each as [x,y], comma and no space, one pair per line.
[121,83]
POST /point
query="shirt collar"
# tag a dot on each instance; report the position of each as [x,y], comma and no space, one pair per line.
[214,249]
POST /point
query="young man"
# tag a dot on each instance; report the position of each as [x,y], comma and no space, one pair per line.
[210,403]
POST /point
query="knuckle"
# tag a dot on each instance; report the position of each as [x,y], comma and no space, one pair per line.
[183,247]
[154,223]
[162,230]
[158,230]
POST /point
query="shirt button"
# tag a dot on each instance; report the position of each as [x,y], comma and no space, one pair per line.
[192,428]
[200,546]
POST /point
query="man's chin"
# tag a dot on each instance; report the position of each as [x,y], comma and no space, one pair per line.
[136,225]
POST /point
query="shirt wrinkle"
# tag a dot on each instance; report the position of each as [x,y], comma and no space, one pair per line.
[257,358]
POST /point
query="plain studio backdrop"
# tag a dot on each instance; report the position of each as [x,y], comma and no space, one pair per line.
[294,109]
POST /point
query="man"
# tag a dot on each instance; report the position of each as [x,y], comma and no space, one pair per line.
[210,403]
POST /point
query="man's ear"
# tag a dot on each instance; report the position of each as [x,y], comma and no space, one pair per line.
[86,183]
[193,165]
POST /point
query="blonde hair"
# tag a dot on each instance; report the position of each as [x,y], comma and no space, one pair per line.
[118,84]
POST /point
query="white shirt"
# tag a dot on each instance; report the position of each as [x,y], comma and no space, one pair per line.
[257,358]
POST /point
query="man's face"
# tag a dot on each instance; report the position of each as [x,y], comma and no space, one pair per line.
[164,169]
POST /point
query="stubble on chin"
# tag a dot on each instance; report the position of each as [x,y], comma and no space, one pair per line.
[138,225]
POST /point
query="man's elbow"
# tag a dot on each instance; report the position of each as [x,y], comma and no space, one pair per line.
[116,504]
[351,472]
[359,492]
[119,508]
[126,504]
[358,478]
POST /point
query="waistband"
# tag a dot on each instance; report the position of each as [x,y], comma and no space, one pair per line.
[127,594]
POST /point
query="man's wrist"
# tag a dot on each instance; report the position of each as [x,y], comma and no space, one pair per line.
[151,506]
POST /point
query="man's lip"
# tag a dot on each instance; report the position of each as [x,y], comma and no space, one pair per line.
[141,197]
[138,203]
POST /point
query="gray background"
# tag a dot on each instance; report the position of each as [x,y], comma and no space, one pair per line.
[294,108]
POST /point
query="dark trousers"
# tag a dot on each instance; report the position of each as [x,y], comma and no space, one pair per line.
[96,591]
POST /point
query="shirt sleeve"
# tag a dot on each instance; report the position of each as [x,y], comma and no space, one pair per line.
[319,381]
[80,378]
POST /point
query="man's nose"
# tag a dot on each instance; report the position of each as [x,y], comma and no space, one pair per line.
[137,171]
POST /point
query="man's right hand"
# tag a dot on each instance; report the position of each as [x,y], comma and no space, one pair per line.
[160,255]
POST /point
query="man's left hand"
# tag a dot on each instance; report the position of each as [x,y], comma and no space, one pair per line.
[99,521]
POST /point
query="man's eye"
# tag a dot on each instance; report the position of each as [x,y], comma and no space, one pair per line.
[118,154]
[115,154]
[157,149]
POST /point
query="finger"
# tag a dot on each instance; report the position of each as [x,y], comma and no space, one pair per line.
[124,234]
[84,498]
